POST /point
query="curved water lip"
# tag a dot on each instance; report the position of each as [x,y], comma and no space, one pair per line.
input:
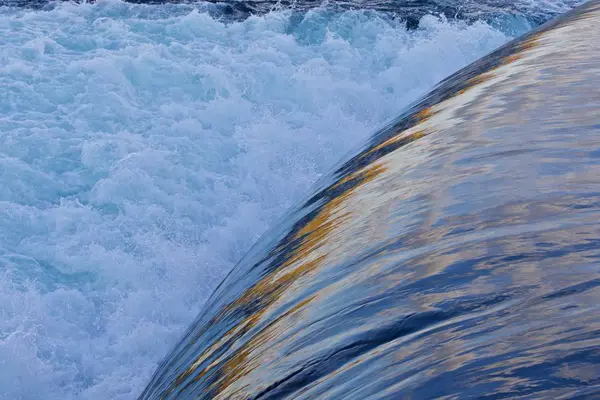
[455,255]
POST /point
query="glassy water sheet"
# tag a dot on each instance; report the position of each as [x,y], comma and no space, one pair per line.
[454,256]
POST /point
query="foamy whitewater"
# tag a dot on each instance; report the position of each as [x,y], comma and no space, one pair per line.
[143,149]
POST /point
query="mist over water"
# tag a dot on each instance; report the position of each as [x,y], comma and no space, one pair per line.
[145,148]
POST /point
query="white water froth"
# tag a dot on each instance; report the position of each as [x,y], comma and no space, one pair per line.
[143,149]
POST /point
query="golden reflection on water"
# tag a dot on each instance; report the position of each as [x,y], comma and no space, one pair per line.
[421,201]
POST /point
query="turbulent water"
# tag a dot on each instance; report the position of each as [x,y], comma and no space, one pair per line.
[144,148]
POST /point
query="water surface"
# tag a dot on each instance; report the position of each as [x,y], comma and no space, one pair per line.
[145,147]
[455,255]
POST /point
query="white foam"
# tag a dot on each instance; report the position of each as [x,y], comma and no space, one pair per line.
[143,149]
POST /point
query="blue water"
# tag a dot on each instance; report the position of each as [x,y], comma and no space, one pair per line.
[145,148]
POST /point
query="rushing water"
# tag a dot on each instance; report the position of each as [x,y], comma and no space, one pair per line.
[144,149]
[455,255]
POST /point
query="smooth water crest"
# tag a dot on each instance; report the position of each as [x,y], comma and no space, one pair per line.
[453,255]
[145,148]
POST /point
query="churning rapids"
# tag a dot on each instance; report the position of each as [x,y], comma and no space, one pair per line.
[145,147]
